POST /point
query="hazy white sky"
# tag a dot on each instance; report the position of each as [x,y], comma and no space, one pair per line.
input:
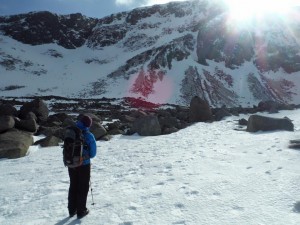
[92,8]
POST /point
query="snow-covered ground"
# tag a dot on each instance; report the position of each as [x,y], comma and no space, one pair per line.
[206,174]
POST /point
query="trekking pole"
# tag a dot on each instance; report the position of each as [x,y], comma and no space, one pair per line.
[93,203]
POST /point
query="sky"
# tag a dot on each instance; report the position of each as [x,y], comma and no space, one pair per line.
[208,174]
[91,8]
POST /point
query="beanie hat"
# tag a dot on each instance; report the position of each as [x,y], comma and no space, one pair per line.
[86,121]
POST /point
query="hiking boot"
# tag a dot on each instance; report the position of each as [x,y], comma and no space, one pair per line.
[82,214]
[72,213]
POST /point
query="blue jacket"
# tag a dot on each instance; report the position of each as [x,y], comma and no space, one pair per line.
[90,141]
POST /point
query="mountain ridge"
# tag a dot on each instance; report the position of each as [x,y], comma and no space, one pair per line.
[162,53]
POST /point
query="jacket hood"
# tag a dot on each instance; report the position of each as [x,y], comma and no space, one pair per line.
[80,125]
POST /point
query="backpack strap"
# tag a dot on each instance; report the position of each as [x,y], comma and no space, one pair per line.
[85,145]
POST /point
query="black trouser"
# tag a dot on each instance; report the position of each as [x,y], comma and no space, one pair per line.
[79,188]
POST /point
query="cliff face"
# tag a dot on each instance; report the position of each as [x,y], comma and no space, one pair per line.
[44,27]
[193,43]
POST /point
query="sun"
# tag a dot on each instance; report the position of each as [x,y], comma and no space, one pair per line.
[242,10]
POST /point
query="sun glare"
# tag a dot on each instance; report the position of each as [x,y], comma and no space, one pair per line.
[254,9]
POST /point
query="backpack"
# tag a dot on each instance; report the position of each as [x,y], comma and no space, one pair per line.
[73,147]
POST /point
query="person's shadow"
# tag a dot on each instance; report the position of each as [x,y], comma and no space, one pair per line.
[66,221]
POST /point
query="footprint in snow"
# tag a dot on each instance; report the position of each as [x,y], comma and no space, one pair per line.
[179,223]
[126,223]
[237,209]
[297,207]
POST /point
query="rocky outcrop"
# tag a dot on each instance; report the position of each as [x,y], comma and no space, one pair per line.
[36,28]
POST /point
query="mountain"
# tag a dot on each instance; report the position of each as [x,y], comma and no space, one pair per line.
[163,54]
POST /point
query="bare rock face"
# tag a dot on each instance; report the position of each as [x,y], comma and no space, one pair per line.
[15,143]
[37,28]
[200,110]
[263,123]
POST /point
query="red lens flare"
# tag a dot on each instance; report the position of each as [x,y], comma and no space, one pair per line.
[151,86]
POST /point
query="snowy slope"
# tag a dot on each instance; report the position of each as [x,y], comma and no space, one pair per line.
[199,175]
[155,53]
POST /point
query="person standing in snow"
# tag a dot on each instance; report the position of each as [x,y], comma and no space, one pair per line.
[80,176]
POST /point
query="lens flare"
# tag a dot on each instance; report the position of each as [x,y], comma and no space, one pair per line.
[150,86]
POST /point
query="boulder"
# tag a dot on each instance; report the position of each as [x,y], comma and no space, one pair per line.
[199,110]
[27,125]
[68,122]
[51,131]
[269,106]
[49,141]
[169,130]
[221,113]
[263,123]
[168,122]
[8,110]
[15,143]
[6,123]
[98,130]
[243,122]
[38,107]
[147,126]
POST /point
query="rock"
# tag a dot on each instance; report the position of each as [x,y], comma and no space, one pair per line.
[115,131]
[8,110]
[168,121]
[221,113]
[199,110]
[169,130]
[27,125]
[15,143]
[6,123]
[105,138]
[49,141]
[98,130]
[68,122]
[51,131]
[263,123]
[147,126]
[243,122]
[267,105]
[38,107]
